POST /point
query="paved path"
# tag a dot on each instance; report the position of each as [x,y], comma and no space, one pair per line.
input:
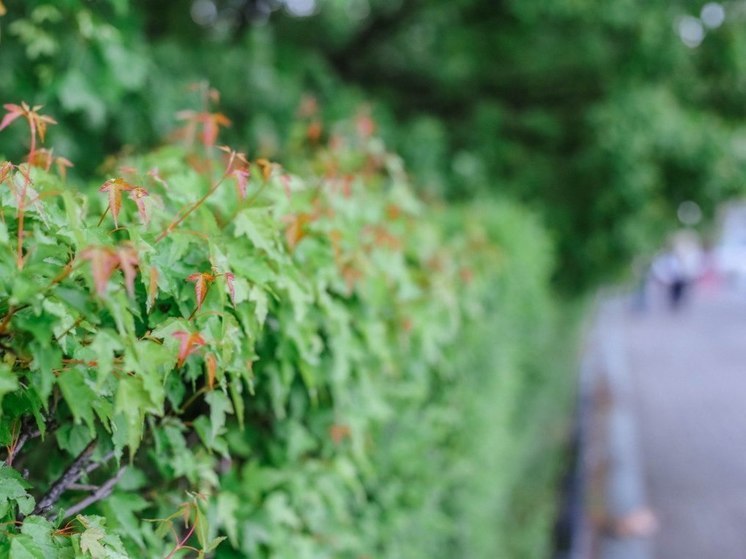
[686,382]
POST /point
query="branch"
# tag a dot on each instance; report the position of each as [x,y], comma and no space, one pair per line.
[68,477]
[101,493]
[93,466]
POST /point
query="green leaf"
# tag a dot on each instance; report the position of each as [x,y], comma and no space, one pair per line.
[122,507]
[104,345]
[13,490]
[220,405]
[258,226]
[227,508]
[35,540]
[90,542]
[132,402]
[46,360]
[79,396]
[8,382]
[24,547]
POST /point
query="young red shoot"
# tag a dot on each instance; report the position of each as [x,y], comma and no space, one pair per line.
[202,283]
[114,188]
[188,344]
[210,124]
[106,260]
[137,195]
[37,123]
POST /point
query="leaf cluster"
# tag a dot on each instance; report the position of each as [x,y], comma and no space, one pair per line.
[207,346]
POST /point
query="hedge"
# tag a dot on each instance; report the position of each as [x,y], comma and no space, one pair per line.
[213,355]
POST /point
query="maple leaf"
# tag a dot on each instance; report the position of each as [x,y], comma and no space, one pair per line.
[238,167]
[209,122]
[296,228]
[127,261]
[44,158]
[104,261]
[242,181]
[202,281]
[265,166]
[211,125]
[188,344]
[154,173]
[115,187]
[90,542]
[63,164]
[229,277]
[14,112]
[37,122]
[137,195]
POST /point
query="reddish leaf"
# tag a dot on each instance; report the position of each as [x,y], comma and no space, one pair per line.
[210,123]
[115,187]
[14,111]
[137,195]
[37,123]
[314,131]
[63,164]
[265,167]
[210,127]
[202,283]
[229,277]
[157,177]
[339,433]
[242,181]
[128,260]
[296,229]
[41,121]
[188,344]
[103,263]
[42,159]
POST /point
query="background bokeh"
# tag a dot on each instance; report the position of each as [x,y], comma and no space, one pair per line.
[601,116]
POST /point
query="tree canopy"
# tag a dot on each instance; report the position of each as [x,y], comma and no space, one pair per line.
[601,116]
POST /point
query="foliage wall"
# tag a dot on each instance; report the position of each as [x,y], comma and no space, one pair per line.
[208,354]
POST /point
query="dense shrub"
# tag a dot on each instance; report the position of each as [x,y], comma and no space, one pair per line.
[315,363]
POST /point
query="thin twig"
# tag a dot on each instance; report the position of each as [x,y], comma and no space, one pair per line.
[182,543]
[100,493]
[71,475]
[83,487]
[93,466]
[182,216]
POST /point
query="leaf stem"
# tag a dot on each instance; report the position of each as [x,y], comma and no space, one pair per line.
[191,209]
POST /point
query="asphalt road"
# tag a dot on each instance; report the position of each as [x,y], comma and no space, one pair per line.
[687,388]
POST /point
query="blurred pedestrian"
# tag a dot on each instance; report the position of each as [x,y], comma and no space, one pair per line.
[679,267]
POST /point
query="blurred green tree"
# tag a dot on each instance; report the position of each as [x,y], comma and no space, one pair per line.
[601,116]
